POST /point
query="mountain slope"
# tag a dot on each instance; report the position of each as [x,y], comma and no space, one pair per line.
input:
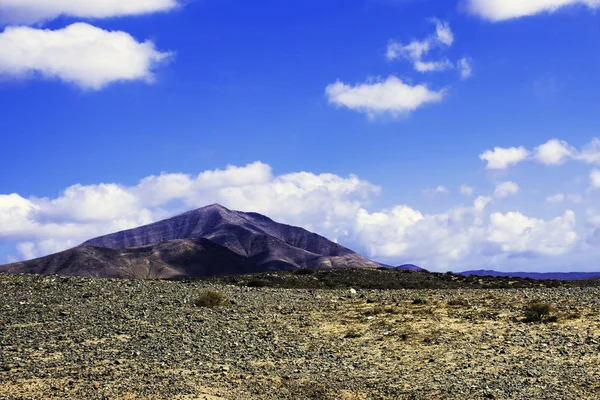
[175,258]
[256,237]
[204,242]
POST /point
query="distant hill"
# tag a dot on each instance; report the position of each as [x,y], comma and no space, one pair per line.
[233,242]
[563,276]
[412,267]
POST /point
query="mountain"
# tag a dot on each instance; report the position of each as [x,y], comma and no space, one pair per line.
[563,276]
[233,242]
[258,238]
[175,258]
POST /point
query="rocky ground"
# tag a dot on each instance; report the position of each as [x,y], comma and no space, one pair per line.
[85,338]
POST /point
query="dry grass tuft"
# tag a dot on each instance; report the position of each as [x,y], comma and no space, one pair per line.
[210,298]
[458,302]
[539,311]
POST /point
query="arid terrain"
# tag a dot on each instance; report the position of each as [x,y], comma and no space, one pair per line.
[82,338]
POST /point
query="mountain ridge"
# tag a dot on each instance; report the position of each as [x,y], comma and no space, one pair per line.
[193,244]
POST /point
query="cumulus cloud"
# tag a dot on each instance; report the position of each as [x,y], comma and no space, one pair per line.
[590,153]
[518,234]
[500,10]
[553,152]
[466,190]
[334,206]
[506,189]
[391,96]
[82,54]
[81,212]
[34,11]
[556,198]
[502,158]
[481,202]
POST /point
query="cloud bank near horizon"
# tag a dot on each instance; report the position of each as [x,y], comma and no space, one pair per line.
[479,234]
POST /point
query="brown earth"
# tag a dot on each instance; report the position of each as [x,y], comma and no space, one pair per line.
[68,337]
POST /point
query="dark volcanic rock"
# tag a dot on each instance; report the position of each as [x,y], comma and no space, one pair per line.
[175,258]
[563,276]
[260,239]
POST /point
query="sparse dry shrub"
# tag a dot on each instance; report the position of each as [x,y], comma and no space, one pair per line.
[539,311]
[381,309]
[304,271]
[419,301]
[458,302]
[256,283]
[353,333]
[210,298]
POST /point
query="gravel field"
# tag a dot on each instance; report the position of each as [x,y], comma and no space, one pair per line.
[80,338]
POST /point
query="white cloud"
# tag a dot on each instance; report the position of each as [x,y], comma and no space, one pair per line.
[27,250]
[462,235]
[556,198]
[500,10]
[438,190]
[431,66]
[81,212]
[33,11]
[465,68]
[595,179]
[391,96]
[417,49]
[443,32]
[466,190]
[590,153]
[517,234]
[334,206]
[501,158]
[412,51]
[82,54]
[553,152]
[506,189]
[481,202]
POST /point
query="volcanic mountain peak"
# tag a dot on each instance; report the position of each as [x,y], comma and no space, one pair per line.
[247,234]
[212,240]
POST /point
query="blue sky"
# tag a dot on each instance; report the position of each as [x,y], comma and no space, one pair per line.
[316,113]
